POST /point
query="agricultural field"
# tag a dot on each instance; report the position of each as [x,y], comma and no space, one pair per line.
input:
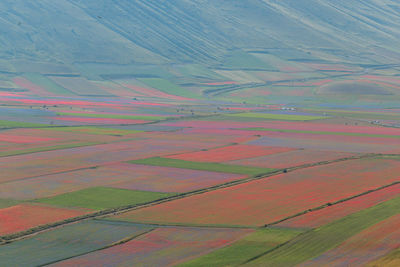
[161,247]
[174,182]
[199,133]
[275,198]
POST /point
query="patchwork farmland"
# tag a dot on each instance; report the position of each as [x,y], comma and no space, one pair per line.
[199,133]
[173,188]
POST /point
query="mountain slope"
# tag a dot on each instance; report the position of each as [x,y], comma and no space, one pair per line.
[201,31]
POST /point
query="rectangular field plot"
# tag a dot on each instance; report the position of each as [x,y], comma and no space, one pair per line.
[292,158]
[351,146]
[316,242]
[161,247]
[364,247]
[228,153]
[65,242]
[274,198]
[329,214]
[120,175]
[24,216]
[204,166]
[98,198]
[50,162]
[244,249]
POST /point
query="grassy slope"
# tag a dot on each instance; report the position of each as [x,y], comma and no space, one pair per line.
[315,242]
[204,166]
[243,60]
[98,198]
[269,116]
[168,87]
[323,133]
[48,84]
[244,249]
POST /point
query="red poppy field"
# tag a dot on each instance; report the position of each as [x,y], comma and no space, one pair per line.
[270,200]
[24,216]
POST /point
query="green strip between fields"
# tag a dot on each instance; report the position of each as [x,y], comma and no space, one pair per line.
[315,242]
[321,132]
[203,166]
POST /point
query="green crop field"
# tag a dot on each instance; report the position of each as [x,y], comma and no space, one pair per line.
[244,249]
[204,166]
[313,243]
[98,198]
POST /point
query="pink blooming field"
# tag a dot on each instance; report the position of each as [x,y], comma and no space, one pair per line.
[160,247]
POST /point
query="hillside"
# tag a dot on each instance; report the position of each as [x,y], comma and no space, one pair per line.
[180,31]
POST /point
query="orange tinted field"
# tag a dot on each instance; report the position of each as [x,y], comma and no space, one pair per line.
[24,216]
[271,199]
[230,153]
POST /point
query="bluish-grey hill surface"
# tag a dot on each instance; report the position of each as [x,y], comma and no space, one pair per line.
[138,32]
